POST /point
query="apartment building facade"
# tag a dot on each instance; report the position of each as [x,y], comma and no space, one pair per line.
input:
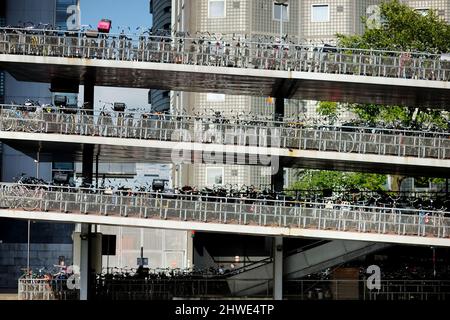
[304,20]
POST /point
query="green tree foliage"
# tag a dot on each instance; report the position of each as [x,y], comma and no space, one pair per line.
[329,110]
[321,179]
[398,116]
[402,28]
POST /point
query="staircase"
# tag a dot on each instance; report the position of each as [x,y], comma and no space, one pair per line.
[311,259]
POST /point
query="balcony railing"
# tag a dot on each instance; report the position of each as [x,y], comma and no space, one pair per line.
[166,289]
[239,53]
[228,210]
[262,133]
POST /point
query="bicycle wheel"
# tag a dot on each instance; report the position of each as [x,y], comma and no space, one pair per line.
[32,125]
[8,122]
[30,204]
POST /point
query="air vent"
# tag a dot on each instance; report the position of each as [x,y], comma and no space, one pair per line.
[441,12]
[340,9]
[236,4]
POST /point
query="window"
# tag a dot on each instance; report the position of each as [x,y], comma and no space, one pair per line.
[320,13]
[279,9]
[215,97]
[216,8]
[214,176]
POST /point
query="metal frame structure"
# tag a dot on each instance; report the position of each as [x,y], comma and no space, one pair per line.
[136,289]
[239,211]
[240,53]
[264,133]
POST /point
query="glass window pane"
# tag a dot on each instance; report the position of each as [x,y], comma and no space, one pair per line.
[214,176]
[216,9]
[277,11]
[215,97]
[320,13]
[423,12]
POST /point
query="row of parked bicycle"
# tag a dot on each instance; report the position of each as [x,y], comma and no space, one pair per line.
[220,50]
[427,201]
[116,116]
[30,27]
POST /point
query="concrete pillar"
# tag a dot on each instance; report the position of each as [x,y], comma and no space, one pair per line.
[278,268]
[189,250]
[279,109]
[278,176]
[87,255]
[88,163]
[81,257]
[88,149]
[277,186]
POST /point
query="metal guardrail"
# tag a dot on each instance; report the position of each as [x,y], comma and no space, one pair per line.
[240,53]
[237,211]
[43,289]
[288,135]
[140,289]
[293,289]
[357,289]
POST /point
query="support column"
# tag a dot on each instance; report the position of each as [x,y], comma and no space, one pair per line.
[88,149]
[279,109]
[190,250]
[278,268]
[277,186]
[278,176]
[81,257]
[96,171]
[87,255]
[88,164]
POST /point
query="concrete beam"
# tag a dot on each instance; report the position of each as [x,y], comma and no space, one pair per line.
[223,228]
[256,82]
[126,150]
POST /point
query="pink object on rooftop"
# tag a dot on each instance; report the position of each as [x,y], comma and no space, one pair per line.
[104,26]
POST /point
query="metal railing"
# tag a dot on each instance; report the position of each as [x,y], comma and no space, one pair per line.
[240,53]
[140,289]
[45,289]
[288,135]
[221,210]
[292,289]
[358,290]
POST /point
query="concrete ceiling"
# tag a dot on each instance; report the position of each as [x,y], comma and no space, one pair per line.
[235,81]
[59,148]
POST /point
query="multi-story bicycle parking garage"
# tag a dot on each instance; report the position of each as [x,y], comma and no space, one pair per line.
[288,70]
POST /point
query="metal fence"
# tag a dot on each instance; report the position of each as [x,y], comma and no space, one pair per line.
[238,211]
[166,289]
[292,289]
[45,289]
[240,53]
[288,135]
